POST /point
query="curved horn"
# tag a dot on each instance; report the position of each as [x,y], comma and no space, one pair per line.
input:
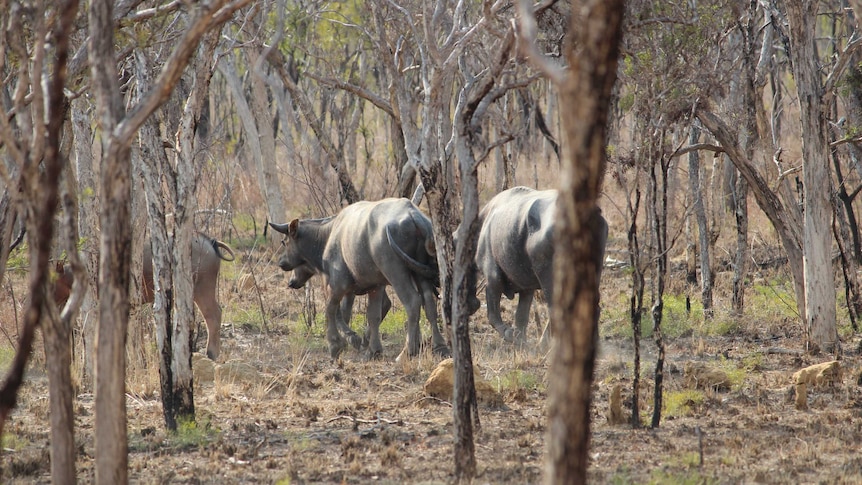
[282,228]
[424,270]
[218,246]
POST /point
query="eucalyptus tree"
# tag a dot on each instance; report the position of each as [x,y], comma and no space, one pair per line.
[820,315]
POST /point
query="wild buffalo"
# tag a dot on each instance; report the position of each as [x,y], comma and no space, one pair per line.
[207,255]
[361,250]
[515,252]
[301,275]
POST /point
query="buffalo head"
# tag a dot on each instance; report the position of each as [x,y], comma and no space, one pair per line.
[291,257]
[301,275]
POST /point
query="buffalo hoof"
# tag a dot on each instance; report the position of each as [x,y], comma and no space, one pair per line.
[373,355]
[356,341]
[519,337]
[336,348]
[508,335]
[442,351]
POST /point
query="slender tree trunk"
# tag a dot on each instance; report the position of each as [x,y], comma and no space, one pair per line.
[57,331]
[154,172]
[264,118]
[267,173]
[186,185]
[695,180]
[110,407]
[657,206]
[636,300]
[821,314]
[740,259]
[88,230]
[587,90]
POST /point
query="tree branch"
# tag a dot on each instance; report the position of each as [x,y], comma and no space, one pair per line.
[526,29]
[357,90]
[840,66]
[218,12]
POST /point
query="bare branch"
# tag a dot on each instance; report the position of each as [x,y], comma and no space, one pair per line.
[697,147]
[526,29]
[357,90]
[854,140]
[840,66]
[219,12]
[149,13]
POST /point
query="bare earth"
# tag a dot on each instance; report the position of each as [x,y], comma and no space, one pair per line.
[302,418]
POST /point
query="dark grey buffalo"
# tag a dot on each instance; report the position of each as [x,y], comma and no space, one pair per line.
[207,255]
[515,252]
[361,250]
[300,277]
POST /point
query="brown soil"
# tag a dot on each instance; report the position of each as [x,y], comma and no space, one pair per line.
[314,420]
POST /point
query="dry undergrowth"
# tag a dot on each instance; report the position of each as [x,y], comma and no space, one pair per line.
[299,417]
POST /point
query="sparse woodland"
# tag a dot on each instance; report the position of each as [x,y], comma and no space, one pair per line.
[720,139]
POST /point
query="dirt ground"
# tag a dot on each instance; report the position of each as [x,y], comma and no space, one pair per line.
[302,418]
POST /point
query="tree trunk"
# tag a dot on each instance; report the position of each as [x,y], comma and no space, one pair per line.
[786,221]
[657,209]
[696,186]
[88,231]
[153,172]
[267,173]
[587,90]
[186,204]
[263,118]
[740,259]
[821,313]
[57,331]
[636,300]
[110,403]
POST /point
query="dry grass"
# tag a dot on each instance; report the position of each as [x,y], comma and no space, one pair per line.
[307,419]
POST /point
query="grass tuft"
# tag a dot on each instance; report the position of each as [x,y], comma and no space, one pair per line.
[682,403]
[193,434]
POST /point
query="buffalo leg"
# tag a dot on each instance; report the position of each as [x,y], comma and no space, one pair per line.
[412,301]
[387,305]
[376,304]
[212,316]
[522,314]
[492,300]
[337,344]
[429,300]
[345,314]
[546,334]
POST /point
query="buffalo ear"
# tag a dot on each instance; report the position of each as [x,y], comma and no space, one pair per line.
[292,228]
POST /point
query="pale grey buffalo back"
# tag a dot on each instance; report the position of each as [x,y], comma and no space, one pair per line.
[515,252]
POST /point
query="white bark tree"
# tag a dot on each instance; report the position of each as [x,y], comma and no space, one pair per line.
[820,310]
[88,231]
[259,136]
